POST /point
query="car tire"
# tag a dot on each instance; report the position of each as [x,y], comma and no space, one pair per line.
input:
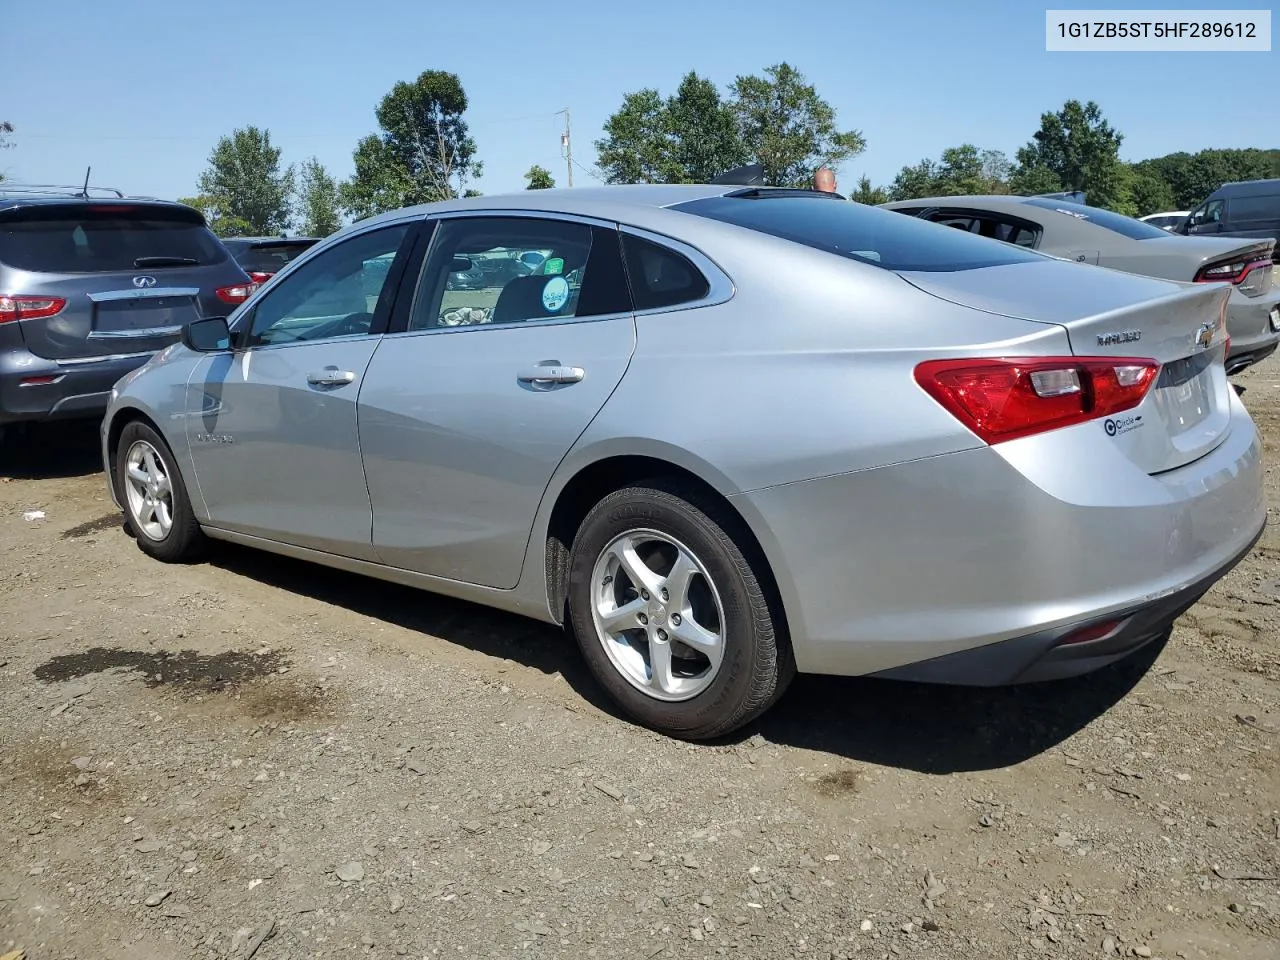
[667,519]
[147,503]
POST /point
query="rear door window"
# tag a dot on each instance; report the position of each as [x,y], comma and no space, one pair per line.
[105,239]
[500,270]
[859,232]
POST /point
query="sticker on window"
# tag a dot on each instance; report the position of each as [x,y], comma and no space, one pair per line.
[554,265]
[555,294]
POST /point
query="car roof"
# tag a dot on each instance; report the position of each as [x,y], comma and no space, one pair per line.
[606,202]
[962,200]
[1248,188]
[13,202]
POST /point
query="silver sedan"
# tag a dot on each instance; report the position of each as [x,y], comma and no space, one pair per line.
[723,434]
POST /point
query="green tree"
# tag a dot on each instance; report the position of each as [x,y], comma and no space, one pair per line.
[423,154]
[1081,149]
[868,194]
[244,186]
[787,128]
[963,170]
[635,148]
[690,137]
[317,205]
[221,222]
[1192,177]
[1026,181]
[539,178]
[1148,192]
[703,129]
[6,128]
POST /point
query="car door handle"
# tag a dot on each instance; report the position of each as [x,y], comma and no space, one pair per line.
[330,377]
[551,373]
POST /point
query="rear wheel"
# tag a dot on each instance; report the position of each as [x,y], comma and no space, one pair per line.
[670,615]
[157,508]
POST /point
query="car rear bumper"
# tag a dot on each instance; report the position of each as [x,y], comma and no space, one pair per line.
[1053,654]
[1251,324]
[901,565]
[78,388]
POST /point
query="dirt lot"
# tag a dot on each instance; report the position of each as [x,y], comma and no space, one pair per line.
[256,757]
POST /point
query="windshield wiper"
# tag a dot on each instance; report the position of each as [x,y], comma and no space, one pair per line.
[166,262]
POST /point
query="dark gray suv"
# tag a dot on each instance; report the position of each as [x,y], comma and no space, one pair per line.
[90,288]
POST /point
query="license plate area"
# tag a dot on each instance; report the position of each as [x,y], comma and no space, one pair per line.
[143,316]
[1184,394]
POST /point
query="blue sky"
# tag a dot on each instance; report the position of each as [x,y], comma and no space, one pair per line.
[142,90]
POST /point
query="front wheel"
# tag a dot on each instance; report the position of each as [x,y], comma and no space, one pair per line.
[155,498]
[670,615]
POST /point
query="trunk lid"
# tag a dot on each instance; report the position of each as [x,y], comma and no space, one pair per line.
[130,274]
[1181,258]
[1107,313]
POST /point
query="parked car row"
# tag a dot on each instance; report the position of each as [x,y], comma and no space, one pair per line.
[722,433]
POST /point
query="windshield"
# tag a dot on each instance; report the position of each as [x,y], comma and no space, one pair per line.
[881,238]
[1115,222]
[269,258]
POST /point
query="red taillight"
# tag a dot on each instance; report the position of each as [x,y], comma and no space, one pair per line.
[1003,398]
[1231,271]
[29,308]
[258,277]
[236,293]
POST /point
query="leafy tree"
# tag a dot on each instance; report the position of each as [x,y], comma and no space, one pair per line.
[963,170]
[1192,177]
[221,221]
[1029,180]
[244,186]
[788,128]
[690,137]
[866,193]
[317,207]
[423,154]
[635,148]
[1148,192]
[539,178]
[1081,149]
[704,132]
[6,128]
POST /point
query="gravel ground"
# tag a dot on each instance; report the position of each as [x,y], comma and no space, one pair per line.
[254,757]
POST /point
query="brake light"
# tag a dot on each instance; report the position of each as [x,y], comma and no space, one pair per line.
[258,277]
[29,308]
[1003,398]
[1231,271]
[236,293]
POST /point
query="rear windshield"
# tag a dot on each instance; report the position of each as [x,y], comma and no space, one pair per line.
[269,258]
[1115,222]
[86,240]
[878,237]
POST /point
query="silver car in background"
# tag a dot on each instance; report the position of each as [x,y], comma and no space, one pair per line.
[724,434]
[1087,234]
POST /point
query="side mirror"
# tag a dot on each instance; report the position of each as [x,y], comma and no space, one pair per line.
[207,336]
[460,265]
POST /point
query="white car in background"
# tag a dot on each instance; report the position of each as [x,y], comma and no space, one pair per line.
[1166,221]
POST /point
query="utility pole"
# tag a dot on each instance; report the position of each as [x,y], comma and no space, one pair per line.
[566,144]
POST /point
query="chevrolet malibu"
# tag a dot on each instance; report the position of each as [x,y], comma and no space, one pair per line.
[721,434]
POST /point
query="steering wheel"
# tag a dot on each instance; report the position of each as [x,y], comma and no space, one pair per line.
[351,325]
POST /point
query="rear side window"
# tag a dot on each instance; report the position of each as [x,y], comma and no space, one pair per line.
[105,240]
[1254,208]
[866,234]
[270,258]
[1115,222]
[661,277]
